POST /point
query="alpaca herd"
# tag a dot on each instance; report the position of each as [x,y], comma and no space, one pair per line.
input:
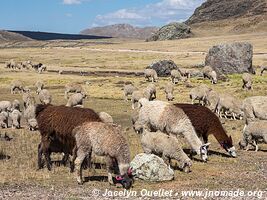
[81,132]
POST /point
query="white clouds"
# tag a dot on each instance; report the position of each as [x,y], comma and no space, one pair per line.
[70,2]
[162,12]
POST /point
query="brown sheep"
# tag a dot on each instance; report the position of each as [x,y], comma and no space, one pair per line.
[58,122]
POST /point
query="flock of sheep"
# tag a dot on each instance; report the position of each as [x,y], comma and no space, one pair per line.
[39,67]
[81,132]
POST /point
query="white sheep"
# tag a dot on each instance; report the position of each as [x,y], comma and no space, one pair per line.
[168,89]
[29,115]
[151,74]
[184,72]
[28,99]
[5,106]
[76,100]
[105,117]
[209,73]
[159,115]
[128,89]
[16,105]
[39,85]
[247,81]
[150,92]
[255,107]
[199,93]
[175,76]
[17,85]
[168,147]
[3,119]
[74,88]
[212,100]
[15,118]
[136,96]
[45,97]
[253,133]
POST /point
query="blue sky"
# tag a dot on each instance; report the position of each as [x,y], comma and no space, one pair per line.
[72,16]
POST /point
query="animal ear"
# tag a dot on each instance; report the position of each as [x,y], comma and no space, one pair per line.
[119,178]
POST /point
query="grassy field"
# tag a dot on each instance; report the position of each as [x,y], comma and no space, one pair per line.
[18,157]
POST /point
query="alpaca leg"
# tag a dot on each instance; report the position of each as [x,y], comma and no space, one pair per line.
[78,165]
[255,145]
[74,156]
[109,164]
[40,153]
[45,149]
[166,159]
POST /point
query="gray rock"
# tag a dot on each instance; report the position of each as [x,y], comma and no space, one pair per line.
[163,67]
[150,167]
[171,31]
[231,58]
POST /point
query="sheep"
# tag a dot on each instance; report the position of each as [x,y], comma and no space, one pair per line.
[161,144]
[199,93]
[136,96]
[128,89]
[26,64]
[263,68]
[253,133]
[175,76]
[3,119]
[32,124]
[206,123]
[212,100]
[16,85]
[168,89]
[105,117]
[76,100]
[16,105]
[5,106]
[74,88]
[151,74]
[29,115]
[41,69]
[150,92]
[247,81]
[159,115]
[15,118]
[39,85]
[58,122]
[184,72]
[36,66]
[209,73]
[45,97]
[28,100]
[229,105]
[104,140]
[255,107]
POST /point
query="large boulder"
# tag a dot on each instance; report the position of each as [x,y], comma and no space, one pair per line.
[150,167]
[231,58]
[171,31]
[163,67]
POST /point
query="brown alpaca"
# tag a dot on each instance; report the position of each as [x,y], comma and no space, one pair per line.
[58,122]
[206,123]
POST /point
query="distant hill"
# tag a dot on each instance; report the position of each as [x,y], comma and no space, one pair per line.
[36,35]
[121,31]
[232,16]
[6,36]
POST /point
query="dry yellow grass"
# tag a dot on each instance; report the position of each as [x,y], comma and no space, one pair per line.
[246,172]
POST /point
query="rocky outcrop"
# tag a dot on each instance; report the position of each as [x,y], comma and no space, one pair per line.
[231,58]
[215,10]
[150,167]
[171,31]
[163,67]
[121,31]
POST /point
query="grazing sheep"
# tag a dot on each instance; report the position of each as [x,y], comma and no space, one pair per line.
[247,81]
[104,140]
[27,99]
[253,133]
[263,68]
[41,69]
[159,115]
[15,118]
[76,100]
[36,66]
[16,105]
[169,88]
[5,106]
[255,107]
[199,93]
[74,88]
[16,85]
[175,76]
[229,106]
[212,100]
[105,117]
[159,144]
[4,119]
[128,89]
[206,123]
[150,92]
[209,73]
[26,64]
[45,97]
[184,72]
[136,96]
[151,74]
[39,85]
[58,122]
[32,124]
